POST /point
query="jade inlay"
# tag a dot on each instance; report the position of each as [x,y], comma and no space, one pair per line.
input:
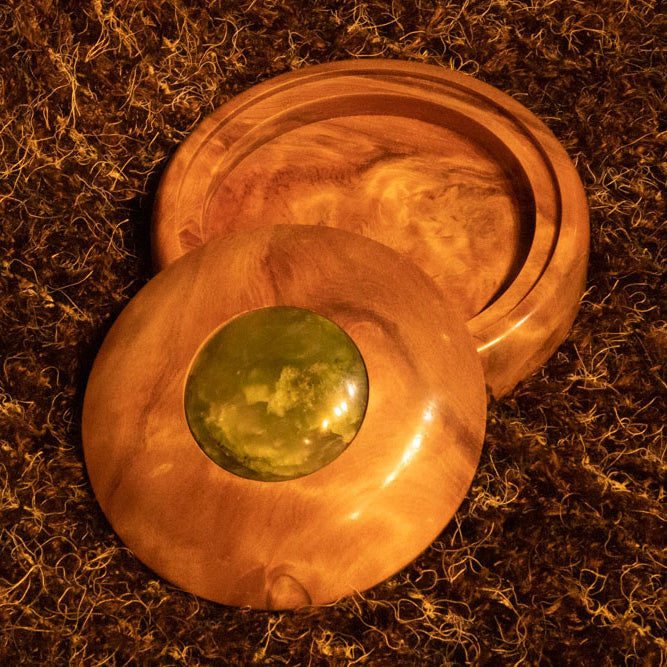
[276,393]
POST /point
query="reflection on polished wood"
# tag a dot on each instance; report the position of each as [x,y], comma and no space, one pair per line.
[447,170]
[338,530]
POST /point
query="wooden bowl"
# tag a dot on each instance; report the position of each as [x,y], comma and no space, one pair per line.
[449,171]
[313,539]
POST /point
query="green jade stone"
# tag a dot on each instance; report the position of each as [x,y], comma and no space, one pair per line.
[276,393]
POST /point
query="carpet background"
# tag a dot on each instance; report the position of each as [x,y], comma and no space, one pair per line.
[557,555]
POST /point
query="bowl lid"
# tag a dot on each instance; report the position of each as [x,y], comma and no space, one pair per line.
[304,312]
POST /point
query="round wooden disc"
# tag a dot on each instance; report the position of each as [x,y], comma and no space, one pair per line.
[443,168]
[328,534]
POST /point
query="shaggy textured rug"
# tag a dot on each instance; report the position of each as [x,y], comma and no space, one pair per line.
[557,555]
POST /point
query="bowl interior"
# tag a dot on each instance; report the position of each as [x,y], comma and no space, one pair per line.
[425,180]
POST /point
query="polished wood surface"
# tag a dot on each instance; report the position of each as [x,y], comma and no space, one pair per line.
[451,172]
[313,539]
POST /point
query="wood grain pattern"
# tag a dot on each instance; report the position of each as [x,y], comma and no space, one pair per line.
[417,187]
[315,538]
[459,177]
